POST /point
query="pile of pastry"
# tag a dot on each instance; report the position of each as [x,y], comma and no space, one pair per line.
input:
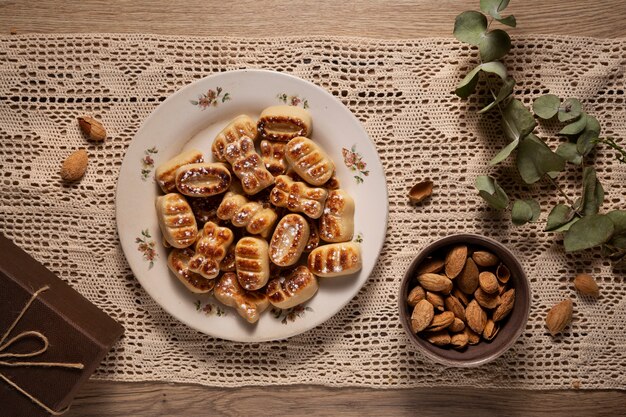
[239,227]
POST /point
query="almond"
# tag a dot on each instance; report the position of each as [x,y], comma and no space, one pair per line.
[420,191]
[457,325]
[92,129]
[503,274]
[435,282]
[454,305]
[455,261]
[432,265]
[507,300]
[74,166]
[484,258]
[416,295]
[440,338]
[489,301]
[472,337]
[468,279]
[435,299]
[559,316]
[422,315]
[459,340]
[441,321]
[488,282]
[476,317]
[586,285]
[491,330]
[461,296]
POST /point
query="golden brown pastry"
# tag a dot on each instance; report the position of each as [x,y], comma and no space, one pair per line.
[284,123]
[249,214]
[252,262]
[273,155]
[289,240]
[309,161]
[228,263]
[248,166]
[337,222]
[211,249]
[297,288]
[202,180]
[178,263]
[249,304]
[335,259]
[314,236]
[297,196]
[176,220]
[241,125]
[165,174]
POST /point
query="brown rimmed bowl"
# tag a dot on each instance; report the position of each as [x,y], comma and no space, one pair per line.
[511,327]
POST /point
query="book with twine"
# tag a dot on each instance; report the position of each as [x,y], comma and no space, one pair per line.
[51,337]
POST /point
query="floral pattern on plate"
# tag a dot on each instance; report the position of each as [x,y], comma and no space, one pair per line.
[211,98]
[146,246]
[354,161]
[291,314]
[293,100]
[210,309]
[147,162]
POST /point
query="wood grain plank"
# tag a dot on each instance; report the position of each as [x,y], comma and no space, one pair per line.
[253,18]
[112,399]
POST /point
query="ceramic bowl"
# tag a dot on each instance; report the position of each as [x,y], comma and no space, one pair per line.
[511,327]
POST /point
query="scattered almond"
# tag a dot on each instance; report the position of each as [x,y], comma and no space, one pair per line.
[440,338]
[484,258]
[431,265]
[416,295]
[74,166]
[488,282]
[586,285]
[435,282]
[420,191]
[435,299]
[476,317]
[459,340]
[422,315]
[441,321]
[92,128]
[455,261]
[468,280]
[559,316]
[507,300]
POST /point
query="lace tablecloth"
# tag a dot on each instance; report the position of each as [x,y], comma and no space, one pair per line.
[401,92]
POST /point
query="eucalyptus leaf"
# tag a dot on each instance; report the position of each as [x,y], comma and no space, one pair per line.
[491,192]
[521,213]
[495,67]
[469,27]
[575,127]
[588,232]
[517,121]
[566,226]
[592,125]
[493,7]
[505,91]
[494,45]
[504,153]
[509,21]
[586,142]
[569,152]
[546,106]
[560,215]
[468,83]
[535,159]
[618,217]
[618,241]
[593,193]
[570,110]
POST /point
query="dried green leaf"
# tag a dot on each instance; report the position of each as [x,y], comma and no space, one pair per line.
[618,217]
[505,91]
[517,121]
[494,45]
[491,192]
[560,215]
[593,193]
[509,21]
[588,232]
[535,159]
[525,211]
[546,106]
[586,142]
[468,83]
[566,226]
[504,153]
[575,127]
[469,27]
[570,110]
[569,152]
[493,7]
[592,125]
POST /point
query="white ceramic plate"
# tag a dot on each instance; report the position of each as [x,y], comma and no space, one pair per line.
[191,117]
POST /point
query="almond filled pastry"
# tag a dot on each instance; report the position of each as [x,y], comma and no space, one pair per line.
[176,220]
[249,304]
[165,174]
[211,249]
[273,155]
[202,179]
[248,166]
[335,260]
[309,161]
[297,196]
[337,222]
[289,240]
[240,126]
[241,212]
[297,288]
[252,263]
[178,263]
[283,123]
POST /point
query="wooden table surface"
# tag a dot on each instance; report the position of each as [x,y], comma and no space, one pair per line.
[373,18]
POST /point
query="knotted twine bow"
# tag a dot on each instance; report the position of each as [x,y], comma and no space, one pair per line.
[4,347]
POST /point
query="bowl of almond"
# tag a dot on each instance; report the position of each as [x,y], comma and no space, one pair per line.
[464,300]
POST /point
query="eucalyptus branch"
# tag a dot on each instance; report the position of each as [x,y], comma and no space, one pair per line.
[621,156]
